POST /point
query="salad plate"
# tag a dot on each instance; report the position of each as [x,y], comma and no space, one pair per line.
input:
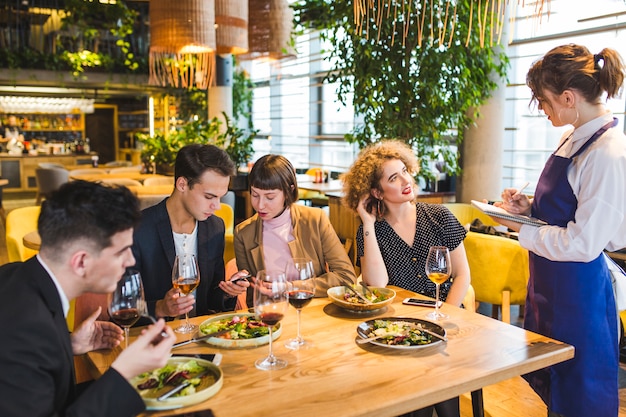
[246,331]
[379,298]
[401,332]
[178,370]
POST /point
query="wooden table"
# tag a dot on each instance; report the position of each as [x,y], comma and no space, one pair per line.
[337,377]
[32,240]
[322,187]
[161,190]
[131,175]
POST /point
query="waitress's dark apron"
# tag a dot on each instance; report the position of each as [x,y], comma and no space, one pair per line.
[572,302]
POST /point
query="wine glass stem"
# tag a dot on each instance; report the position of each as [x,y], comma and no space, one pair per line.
[271,358]
[299,337]
[126,332]
[436,299]
[187,320]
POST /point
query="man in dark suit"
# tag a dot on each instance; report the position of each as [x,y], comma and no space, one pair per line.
[86,234]
[184,223]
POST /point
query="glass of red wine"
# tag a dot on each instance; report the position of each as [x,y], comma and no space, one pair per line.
[271,302]
[127,302]
[301,283]
[186,278]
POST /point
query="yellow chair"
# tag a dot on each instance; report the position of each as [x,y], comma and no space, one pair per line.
[227,214]
[20,221]
[498,265]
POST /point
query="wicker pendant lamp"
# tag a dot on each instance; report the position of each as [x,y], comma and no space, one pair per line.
[231,26]
[269,29]
[182,43]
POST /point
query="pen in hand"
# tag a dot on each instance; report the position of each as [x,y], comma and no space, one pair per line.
[522,188]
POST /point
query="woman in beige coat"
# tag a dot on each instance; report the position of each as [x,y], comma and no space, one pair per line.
[281,230]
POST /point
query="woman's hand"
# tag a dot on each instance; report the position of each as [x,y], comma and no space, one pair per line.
[367,217]
[514,202]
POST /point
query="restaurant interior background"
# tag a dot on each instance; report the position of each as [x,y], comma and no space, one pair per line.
[295,111]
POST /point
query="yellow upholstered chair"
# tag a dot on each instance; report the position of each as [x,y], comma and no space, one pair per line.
[498,265]
[227,214]
[159,181]
[20,221]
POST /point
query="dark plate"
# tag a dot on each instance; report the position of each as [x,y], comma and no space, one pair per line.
[365,330]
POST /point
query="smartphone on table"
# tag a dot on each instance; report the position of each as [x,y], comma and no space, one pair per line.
[421,302]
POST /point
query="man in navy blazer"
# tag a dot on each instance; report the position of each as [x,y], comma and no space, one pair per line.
[86,234]
[184,223]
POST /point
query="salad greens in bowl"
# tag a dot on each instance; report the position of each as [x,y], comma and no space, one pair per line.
[379,297]
[201,379]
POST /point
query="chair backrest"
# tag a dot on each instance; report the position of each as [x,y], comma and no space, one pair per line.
[87,171]
[122,181]
[159,181]
[497,264]
[466,213]
[122,170]
[20,221]
[227,214]
[50,179]
[50,165]
[118,164]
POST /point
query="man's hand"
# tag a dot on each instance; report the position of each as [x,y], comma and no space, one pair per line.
[148,352]
[237,284]
[91,335]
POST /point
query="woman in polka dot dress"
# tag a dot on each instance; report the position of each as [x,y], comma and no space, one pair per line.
[396,231]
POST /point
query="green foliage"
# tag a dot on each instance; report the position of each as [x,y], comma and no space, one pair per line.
[163,147]
[242,97]
[424,95]
[86,20]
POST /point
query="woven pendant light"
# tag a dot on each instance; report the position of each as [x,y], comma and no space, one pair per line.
[269,29]
[182,43]
[231,26]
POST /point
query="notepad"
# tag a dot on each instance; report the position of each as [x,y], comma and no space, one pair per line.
[501,213]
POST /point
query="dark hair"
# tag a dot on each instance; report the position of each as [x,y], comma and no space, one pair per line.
[86,210]
[275,172]
[193,160]
[573,67]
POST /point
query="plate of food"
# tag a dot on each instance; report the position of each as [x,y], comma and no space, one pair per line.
[199,379]
[378,298]
[401,332]
[246,331]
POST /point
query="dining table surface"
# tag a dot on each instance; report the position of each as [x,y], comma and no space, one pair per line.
[32,240]
[338,377]
[116,175]
[322,187]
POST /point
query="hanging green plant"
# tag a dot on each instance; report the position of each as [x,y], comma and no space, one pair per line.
[86,21]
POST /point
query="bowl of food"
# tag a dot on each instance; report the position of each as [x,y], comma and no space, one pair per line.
[245,331]
[159,389]
[378,297]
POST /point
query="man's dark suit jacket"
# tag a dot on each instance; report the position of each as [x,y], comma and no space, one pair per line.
[154,251]
[36,359]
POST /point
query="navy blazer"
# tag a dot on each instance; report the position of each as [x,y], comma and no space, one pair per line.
[154,251]
[36,359]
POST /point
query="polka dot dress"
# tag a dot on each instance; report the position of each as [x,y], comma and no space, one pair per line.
[435,226]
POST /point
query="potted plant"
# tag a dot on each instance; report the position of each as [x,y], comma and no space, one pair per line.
[162,148]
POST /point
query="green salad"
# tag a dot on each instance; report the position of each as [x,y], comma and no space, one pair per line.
[241,327]
[400,333]
[153,382]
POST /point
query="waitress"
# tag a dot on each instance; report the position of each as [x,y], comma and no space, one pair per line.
[580,194]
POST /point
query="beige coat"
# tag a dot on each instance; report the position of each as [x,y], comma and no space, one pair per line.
[315,238]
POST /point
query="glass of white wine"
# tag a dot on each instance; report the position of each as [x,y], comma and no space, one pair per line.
[185,277]
[438,269]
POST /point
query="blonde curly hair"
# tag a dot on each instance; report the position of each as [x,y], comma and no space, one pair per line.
[366,172]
